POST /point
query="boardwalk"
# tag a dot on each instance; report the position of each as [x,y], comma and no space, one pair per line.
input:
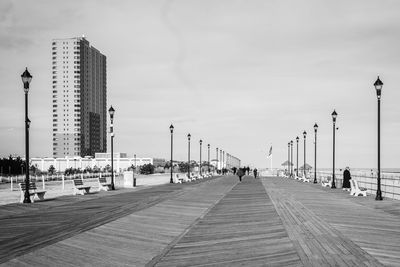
[268,221]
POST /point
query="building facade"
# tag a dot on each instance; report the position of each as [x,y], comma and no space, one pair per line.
[61,164]
[79,85]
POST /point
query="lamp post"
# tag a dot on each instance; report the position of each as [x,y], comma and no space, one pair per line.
[134,156]
[201,142]
[208,157]
[26,79]
[378,86]
[288,157]
[220,159]
[334,116]
[188,136]
[291,158]
[216,165]
[315,152]
[304,166]
[171,128]
[111,111]
[297,156]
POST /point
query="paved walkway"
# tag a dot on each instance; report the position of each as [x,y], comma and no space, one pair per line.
[219,222]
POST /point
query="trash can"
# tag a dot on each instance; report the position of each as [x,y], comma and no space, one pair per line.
[129,179]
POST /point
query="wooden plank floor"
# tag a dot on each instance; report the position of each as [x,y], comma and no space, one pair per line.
[337,228]
[37,227]
[219,222]
[242,229]
[129,240]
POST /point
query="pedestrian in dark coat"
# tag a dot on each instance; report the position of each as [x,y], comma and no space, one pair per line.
[240,173]
[346,179]
[255,173]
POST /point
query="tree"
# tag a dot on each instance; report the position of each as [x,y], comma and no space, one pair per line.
[96,169]
[107,168]
[147,169]
[51,169]
[183,166]
[88,169]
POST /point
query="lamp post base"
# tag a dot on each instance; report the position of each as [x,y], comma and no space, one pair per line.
[378,195]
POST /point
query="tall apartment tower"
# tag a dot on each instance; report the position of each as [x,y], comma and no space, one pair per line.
[79,98]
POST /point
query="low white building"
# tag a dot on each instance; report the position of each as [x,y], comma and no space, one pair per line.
[121,162]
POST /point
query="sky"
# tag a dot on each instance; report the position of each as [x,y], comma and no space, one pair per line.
[241,75]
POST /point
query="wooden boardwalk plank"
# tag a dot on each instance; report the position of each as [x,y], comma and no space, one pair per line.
[268,221]
[242,229]
[135,238]
[348,233]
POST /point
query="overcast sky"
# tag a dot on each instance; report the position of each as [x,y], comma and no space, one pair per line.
[239,74]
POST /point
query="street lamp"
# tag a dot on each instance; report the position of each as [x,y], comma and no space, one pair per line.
[208,157]
[291,158]
[134,156]
[111,111]
[378,86]
[26,79]
[216,163]
[315,152]
[334,116]
[288,157]
[222,162]
[297,156]
[304,166]
[201,142]
[188,136]
[171,128]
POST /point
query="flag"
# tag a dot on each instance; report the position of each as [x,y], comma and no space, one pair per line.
[270,152]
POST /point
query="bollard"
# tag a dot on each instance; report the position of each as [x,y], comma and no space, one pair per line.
[11,183]
[43,186]
[134,179]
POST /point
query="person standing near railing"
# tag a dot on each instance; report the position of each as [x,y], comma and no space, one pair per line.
[346,179]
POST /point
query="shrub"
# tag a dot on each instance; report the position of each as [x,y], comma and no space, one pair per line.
[147,169]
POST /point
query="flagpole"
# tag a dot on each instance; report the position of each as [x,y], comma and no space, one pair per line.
[271,166]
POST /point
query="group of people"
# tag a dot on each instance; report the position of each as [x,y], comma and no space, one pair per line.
[242,171]
[346,176]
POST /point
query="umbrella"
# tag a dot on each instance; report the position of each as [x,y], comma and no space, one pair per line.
[286,163]
[308,167]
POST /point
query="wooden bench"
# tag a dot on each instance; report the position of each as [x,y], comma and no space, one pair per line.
[178,180]
[326,183]
[80,188]
[33,191]
[356,190]
[193,177]
[103,185]
[306,179]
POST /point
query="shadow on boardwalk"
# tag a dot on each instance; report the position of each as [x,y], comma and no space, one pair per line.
[268,221]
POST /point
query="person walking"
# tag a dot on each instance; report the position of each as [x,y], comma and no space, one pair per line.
[346,179]
[255,173]
[240,173]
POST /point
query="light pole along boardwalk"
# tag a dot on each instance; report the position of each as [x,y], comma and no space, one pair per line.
[269,221]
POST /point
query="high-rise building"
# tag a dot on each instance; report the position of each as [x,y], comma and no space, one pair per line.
[79,84]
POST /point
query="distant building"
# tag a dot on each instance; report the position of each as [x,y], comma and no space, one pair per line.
[79,87]
[159,162]
[108,155]
[61,164]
